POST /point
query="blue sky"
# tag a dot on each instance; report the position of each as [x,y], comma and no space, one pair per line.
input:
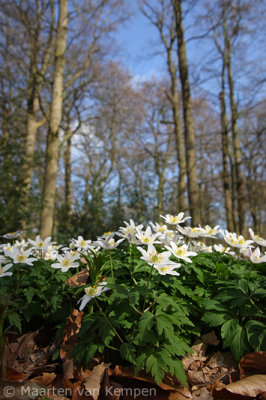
[135,39]
[138,54]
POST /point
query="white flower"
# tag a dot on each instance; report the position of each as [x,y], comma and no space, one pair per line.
[21,243]
[153,257]
[66,261]
[181,251]
[4,269]
[91,292]
[255,257]
[81,243]
[170,236]
[130,231]
[236,241]
[221,249]
[7,246]
[211,232]
[159,228]
[13,235]
[40,244]
[175,219]
[257,239]
[20,256]
[108,242]
[51,253]
[147,237]
[202,247]
[191,232]
[167,269]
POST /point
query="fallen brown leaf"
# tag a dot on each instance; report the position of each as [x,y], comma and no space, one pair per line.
[210,339]
[79,279]
[248,387]
[92,383]
[199,348]
[71,330]
[45,379]
[170,383]
[201,394]
[13,375]
[253,363]
[25,356]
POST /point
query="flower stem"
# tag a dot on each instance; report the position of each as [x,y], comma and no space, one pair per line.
[148,282]
[109,322]
[112,270]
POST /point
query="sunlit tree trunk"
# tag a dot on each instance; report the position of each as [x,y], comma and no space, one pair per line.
[240,186]
[179,140]
[51,166]
[225,144]
[193,192]
[67,163]
[36,80]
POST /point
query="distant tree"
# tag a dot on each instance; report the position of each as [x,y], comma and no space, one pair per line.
[160,14]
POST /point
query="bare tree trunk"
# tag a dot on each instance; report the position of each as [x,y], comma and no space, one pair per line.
[36,80]
[193,192]
[225,144]
[68,194]
[51,167]
[179,140]
[240,186]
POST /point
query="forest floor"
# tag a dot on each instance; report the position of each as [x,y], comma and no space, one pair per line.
[211,374]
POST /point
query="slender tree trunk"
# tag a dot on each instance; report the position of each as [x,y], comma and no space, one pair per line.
[179,140]
[51,167]
[225,144]
[193,192]
[68,194]
[240,186]
[31,132]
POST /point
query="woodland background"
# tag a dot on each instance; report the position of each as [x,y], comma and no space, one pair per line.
[86,145]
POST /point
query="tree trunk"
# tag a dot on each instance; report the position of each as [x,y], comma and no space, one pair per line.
[193,192]
[67,162]
[179,140]
[51,167]
[240,186]
[225,144]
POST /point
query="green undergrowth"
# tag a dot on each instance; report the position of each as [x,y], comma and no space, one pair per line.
[146,319]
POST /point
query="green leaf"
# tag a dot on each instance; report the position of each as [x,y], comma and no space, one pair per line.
[228,331]
[176,369]
[256,334]
[14,320]
[215,318]
[239,343]
[177,346]
[199,272]
[154,365]
[145,323]
[128,352]
[164,325]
